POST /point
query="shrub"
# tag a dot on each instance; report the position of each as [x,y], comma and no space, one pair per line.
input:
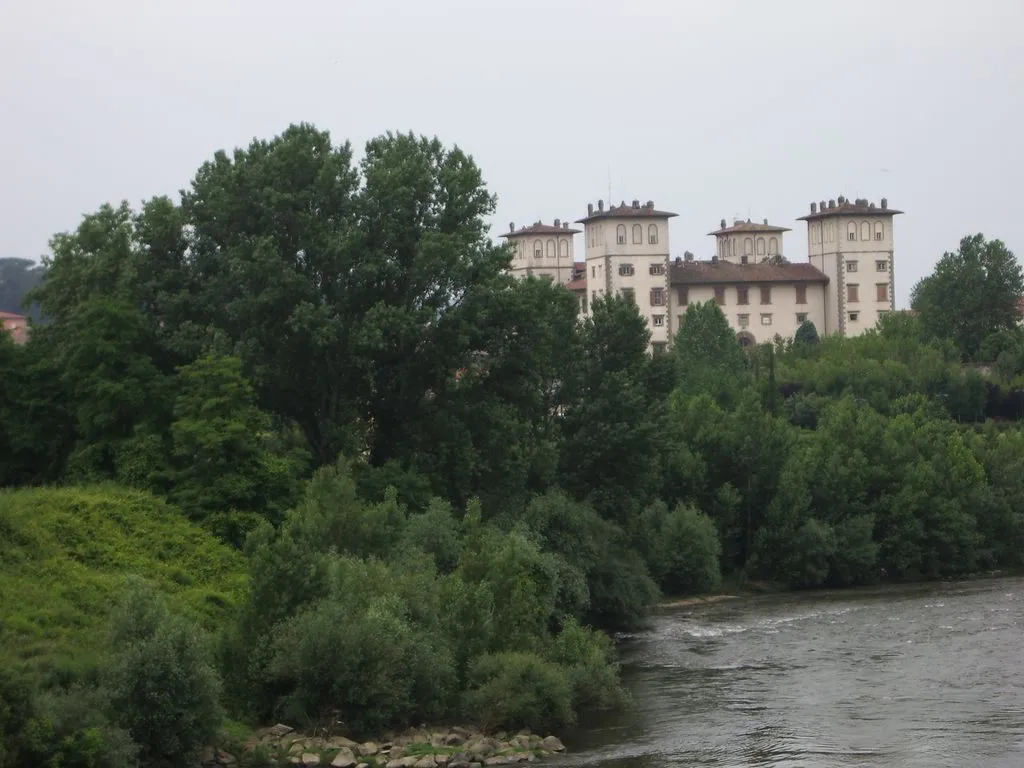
[160,682]
[514,690]
[687,557]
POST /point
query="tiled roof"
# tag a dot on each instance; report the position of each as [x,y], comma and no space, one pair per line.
[579,284]
[542,229]
[847,208]
[724,272]
[10,316]
[623,211]
[748,226]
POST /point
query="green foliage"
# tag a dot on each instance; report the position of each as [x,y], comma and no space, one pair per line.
[64,554]
[806,334]
[711,360]
[971,294]
[17,278]
[510,690]
[687,553]
[160,681]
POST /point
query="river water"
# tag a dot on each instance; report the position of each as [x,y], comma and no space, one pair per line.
[928,676]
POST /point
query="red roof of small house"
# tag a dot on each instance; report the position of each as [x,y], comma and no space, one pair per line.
[11,316]
[725,272]
[748,226]
[844,207]
[579,284]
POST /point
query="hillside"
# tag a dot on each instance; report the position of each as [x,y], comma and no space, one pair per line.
[64,553]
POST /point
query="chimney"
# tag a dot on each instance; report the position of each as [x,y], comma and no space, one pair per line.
[590,209]
[814,207]
[766,222]
[565,225]
[636,204]
[722,224]
[600,205]
[736,221]
[687,255]
[821,206]
[871,206]
[511,226]
[650,204]
[841,200]
[558,223]
[885,203]
[714,259]
[832,203]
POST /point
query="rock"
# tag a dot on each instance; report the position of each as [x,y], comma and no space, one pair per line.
[523,757]
[396,763]
[478,747]
[442,759]
[498,760]
[459,761]
[310,758]
[454,739]
[340,742]
[427,761]
[525,732]
[369,748]
[552,744]
[279,730]
[224,758]
[344,759]
[397,752]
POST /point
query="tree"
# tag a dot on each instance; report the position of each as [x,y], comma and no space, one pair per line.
[17,278]
[971,294]
[711,360]
[806,334]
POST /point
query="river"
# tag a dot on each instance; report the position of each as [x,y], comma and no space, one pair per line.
[925,675]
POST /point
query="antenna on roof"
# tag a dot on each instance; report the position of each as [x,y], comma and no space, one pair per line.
[609,184]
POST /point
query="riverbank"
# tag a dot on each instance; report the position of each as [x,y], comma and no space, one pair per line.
[454,747]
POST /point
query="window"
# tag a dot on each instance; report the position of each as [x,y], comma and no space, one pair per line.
[658,321]
[652,234]
[679,320]
[629,295]
[830,231]
[773,246]
[882,291]
[766,318]
[638,234]
[620,234]
[881,265]
[657,297]
[851,231]
[625,270]
[538,249]
[748,246]
[879,231]
[854,316]
[766,295]
[720,295]
[743,320]
[684,296]
[801,294]
[744,259]
[801,317]
[657,269]
[659,347]
[760,246]
[742,295]
[593,271]
[563,248]
[865,231]
[551,249]
[852,293]
[851,266]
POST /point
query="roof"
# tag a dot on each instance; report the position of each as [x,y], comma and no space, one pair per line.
[748,226]
[844,207]
[579,284]
[11,316]
[623,211]
[723,272]
[541,229]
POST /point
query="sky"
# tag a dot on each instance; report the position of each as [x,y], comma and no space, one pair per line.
[712,109]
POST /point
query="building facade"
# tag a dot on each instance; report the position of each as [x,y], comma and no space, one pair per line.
[846,285]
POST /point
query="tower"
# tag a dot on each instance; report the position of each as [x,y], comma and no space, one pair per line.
[543,250]
[852,243]
[627,254]
[747,242]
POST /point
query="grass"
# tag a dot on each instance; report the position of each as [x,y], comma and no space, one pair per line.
[64,553]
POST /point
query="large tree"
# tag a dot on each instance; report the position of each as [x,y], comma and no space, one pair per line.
[971,294]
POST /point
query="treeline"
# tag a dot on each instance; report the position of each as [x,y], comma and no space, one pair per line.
[491,476]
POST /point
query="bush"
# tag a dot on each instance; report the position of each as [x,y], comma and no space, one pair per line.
[687,557]
[588,657]
[513,690]
[160,682]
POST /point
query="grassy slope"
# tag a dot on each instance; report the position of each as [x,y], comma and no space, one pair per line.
[64,553]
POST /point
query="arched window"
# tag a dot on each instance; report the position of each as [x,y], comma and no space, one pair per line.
[538,249]
[652,234]
[620,234]
[760,246]
[563,248]
[638,234]
[831,233]
[879,231]
[551,249]
[865,231]
[748,246]
[851,231]
[773,246]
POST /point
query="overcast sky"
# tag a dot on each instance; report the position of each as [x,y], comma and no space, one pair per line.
[712,109]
